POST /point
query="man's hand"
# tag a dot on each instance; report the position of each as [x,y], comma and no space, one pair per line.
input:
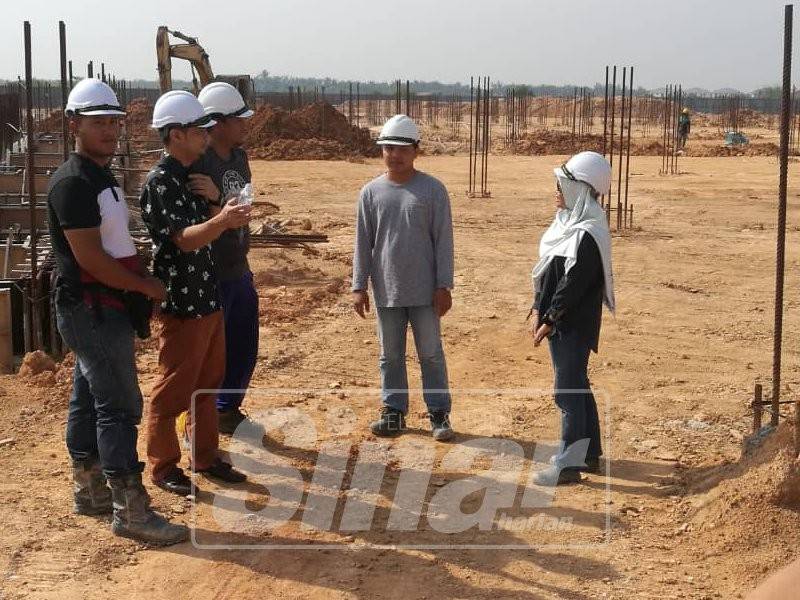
[541,333]
[203,185]
[152,287]
[361,303]
[442,301]
[233,215]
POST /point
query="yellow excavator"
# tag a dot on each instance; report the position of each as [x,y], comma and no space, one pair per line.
[192,51]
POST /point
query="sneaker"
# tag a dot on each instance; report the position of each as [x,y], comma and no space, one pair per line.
[591,464]
[391,423]
[552,476]
[230,420]
[440,426]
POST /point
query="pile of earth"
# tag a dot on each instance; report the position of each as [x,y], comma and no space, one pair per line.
[750,504]
[138,119]
[315,132]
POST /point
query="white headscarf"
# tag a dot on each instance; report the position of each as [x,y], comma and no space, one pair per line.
[582,215]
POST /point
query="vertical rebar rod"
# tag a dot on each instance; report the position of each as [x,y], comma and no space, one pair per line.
[781,238]
[487,141]
[574,111]
[613,112]
[471,123]
[628,151]
[62,39]
[679,110]
[758,408]
[31,177]
[664,137]
[621,145]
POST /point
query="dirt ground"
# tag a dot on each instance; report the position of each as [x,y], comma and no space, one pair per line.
[681,516]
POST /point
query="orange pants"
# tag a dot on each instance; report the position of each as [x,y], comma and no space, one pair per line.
[191,358]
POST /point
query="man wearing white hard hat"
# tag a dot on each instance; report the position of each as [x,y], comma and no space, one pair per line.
[100,282]
[222,173]
[192,337]
[404,247]
[572,281]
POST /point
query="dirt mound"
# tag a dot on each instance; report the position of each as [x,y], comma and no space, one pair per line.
[544,142]
[757,149]
[315,132]
[741,503]
[35,363]
[750,118]
[138,119]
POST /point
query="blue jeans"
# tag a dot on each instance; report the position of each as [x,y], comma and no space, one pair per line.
[579,421]
[106,404]
[240,309]
[392,330]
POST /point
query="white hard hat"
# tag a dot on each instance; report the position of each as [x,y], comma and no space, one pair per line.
[181,108]
[399,131]
[220,98]
[589,167]
[91,97]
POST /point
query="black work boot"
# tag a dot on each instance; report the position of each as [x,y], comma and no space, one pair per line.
[391,423]
[92,496]
[230,420]
[133,517]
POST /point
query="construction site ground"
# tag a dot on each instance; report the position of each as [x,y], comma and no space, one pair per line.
[675,374]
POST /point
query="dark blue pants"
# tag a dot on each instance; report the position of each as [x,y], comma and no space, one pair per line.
[106,403]
[240,307]
[573,395]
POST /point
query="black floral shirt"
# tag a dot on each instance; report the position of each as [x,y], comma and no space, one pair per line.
[168,207]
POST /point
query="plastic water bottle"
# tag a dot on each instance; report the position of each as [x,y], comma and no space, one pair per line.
[245,199]
[246,194]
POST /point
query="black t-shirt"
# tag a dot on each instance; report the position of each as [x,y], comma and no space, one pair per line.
[168,207]
[81,194]
[230,176]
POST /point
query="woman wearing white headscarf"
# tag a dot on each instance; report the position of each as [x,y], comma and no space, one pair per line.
[572,280]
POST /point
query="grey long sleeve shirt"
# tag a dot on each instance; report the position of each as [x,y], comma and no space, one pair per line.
[404,241]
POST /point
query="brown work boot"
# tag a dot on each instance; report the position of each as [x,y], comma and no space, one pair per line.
[92,497]
[133,517]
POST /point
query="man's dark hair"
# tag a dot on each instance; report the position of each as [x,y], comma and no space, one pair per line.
[163,133]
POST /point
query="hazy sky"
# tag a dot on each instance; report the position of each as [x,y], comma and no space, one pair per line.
[710,44]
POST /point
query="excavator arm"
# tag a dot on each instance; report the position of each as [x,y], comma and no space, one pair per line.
[191,51]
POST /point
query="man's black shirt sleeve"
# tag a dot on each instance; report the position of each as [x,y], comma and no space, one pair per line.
[74,202]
